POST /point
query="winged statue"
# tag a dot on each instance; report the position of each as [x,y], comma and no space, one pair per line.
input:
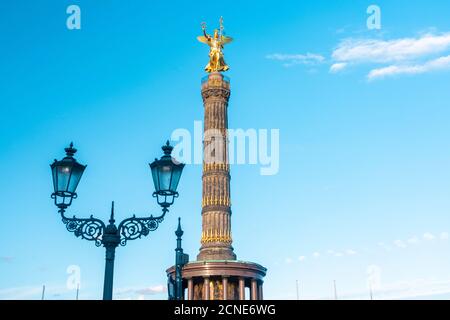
[216,44]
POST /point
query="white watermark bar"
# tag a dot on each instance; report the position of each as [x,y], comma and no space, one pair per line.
[229,146]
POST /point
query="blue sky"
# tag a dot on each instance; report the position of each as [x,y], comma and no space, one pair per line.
[363,116]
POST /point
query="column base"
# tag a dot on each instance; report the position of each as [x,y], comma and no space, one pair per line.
[207,279]
[216,253]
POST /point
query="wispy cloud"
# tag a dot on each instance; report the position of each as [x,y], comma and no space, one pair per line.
[317,254]
[429,236]
[19,293]
[442,63]
[414,240]
[417,288]
[385,246]
[6,259]
[400,244]
[295,59]
[139,292]
[382,51]
[389,246]
[152,290]
[404,55]
[337,67]
[32,292]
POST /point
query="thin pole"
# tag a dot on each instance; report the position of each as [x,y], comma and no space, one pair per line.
[371,293]
[296,284]
[78,289]
[43,292]
[335,290]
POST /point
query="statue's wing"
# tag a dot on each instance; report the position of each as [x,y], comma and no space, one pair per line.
[203,39]
[226,39]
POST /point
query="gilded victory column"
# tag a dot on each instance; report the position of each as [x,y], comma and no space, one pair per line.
[217,275]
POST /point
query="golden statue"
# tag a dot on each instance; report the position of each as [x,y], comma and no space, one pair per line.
[215,43]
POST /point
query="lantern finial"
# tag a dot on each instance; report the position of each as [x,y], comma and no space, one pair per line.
[111,219]
[167,148]
[70,151]
[179,232]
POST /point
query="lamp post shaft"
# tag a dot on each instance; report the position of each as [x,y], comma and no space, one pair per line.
[178,277]
[111,239]
[109,272]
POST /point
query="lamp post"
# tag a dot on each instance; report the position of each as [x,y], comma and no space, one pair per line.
[175,286]
[66,173]
[180,260]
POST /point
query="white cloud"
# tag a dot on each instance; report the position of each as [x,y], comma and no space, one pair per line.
[19,293]
[385,246]
[429,236]
[336,67]
[151,290]
[288,260]
[441,63]
[301,258]
[382,51]
[399,244]
[413,289]
[404,56]
[294,59]
[334,253]
[417,288]
[32,292]
[133,293]
[413,240]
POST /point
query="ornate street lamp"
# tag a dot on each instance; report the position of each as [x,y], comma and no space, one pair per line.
[166,174]
[66,175]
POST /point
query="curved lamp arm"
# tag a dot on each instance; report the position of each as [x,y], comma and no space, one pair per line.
[134,228]
[91,229]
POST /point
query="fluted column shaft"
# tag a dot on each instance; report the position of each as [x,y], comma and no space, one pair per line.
[216,237]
